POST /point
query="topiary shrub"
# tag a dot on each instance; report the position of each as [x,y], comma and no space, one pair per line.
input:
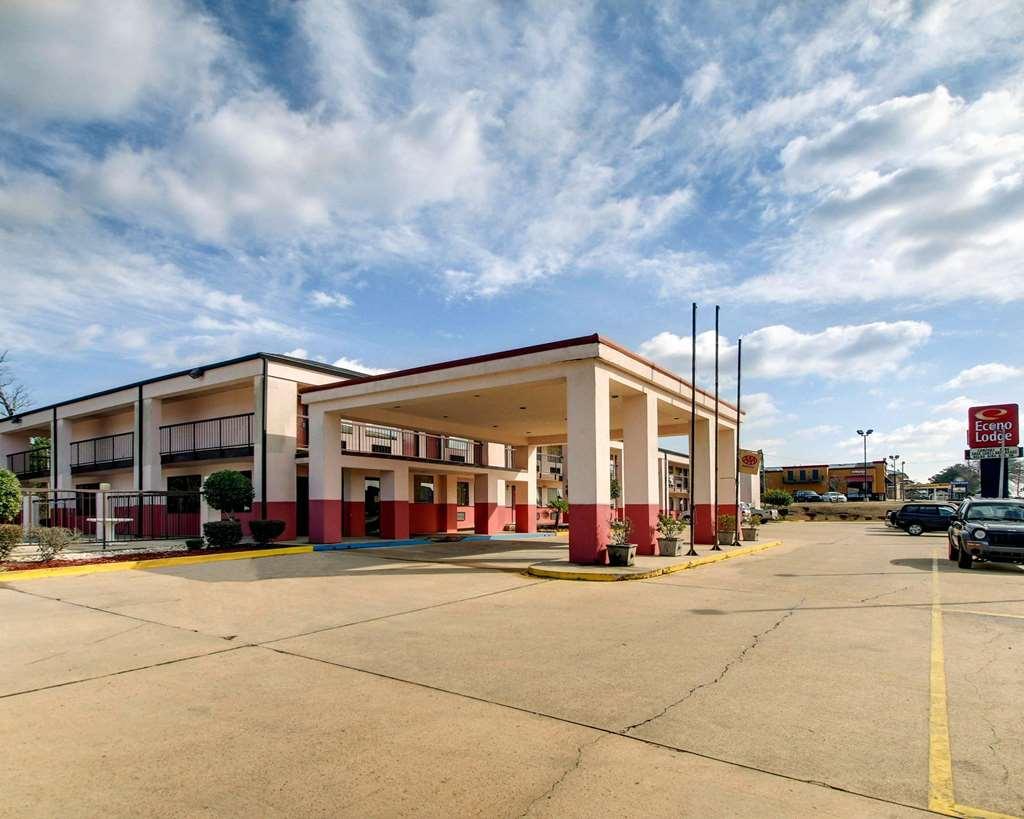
[222,534]
[10,536]
[194,544]
[266,531]
[10,496]
[51,540]
[228,491]
[777,497]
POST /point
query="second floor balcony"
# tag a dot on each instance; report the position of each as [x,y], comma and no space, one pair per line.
[550,467]
[103,453]
[230,436]
[31,463]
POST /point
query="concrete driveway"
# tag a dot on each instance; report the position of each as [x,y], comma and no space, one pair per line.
[791,682]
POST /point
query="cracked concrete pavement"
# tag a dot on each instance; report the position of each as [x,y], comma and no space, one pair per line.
[786,683]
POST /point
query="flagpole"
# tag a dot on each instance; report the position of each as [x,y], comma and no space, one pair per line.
[693,422]
[739,378]
[714,437]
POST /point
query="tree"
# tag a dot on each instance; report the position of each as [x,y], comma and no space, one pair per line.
[959,472]
[777,497]
[13,395]
[615,489]
[10,496]
[1015,468]
[228,491]
[559,506]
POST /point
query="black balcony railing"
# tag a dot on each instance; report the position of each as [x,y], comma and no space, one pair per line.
[105,452]
[227,437]
[32,463]
[550,466]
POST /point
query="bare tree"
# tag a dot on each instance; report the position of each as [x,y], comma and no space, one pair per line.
[13,395]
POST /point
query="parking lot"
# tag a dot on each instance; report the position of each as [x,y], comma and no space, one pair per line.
[851,671]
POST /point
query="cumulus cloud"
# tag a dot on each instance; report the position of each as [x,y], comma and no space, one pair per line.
[337,300]
[960,404]
[862,352]
[358,366]
[991,373]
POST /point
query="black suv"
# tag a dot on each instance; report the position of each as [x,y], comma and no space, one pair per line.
[915,518]
[987,529]
[806,496]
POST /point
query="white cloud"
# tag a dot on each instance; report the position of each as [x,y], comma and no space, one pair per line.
[358,366]
[298,352]
[926,446]
[102,59]
[760,410]
[863,352]
[960,405]
[991,373]
[702,83]
[338,300]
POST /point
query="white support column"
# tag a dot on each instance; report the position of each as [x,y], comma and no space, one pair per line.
[147,444]
[282,431]
[640,470]
[324,476]
[702,476]
[394,503]
[726,454]
[60,456]
[488,501]
[526,490]
[587,461]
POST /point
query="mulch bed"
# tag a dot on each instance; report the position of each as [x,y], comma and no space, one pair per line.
[23,565]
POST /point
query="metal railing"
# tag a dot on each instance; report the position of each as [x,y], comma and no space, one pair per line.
[111,451]
[374,439]
[510,457]
[30,463]
[550,466]
[227,436]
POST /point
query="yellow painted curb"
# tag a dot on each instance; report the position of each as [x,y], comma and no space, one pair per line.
[155,563]
[582,573]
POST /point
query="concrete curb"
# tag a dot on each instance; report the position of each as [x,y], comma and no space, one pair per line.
[583,573]
[154,563]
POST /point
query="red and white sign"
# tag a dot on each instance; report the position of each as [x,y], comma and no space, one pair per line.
[994,425]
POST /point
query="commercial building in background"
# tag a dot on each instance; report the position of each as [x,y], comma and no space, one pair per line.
[852,480]
[443,447]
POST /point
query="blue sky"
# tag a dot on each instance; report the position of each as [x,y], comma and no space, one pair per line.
[385,185]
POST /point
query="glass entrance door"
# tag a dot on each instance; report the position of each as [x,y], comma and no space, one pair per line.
[371,506]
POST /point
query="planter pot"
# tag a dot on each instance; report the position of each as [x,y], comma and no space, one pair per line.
[726,537]
[670,546]
[621,554]
[750,533]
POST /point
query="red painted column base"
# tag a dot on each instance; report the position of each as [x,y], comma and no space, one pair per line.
[486,519]
[703,514]
[324,521]
[526,518]
[394,520]
[643,531]
[588,533]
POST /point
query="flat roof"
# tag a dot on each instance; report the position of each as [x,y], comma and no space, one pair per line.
[317,366]
[593,338]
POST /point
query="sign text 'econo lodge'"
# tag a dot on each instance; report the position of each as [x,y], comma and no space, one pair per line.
[992,426]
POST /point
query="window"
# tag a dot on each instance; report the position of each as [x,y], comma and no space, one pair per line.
[790,476]
[803,475]
[423,488]
[814,474]
[183,503]
[462,493]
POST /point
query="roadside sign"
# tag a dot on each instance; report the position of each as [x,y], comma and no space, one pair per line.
[994,452]
[993,426]
[750,461]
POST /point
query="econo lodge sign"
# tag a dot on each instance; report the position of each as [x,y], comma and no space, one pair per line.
[991,426]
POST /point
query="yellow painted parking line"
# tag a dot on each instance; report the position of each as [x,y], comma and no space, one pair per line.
[940,758]
[155,563]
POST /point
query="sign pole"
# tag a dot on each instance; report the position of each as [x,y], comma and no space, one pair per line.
[693,423]
[739,377]
[1002,466]
[715,547]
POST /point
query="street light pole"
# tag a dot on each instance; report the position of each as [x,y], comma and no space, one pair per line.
[865,435]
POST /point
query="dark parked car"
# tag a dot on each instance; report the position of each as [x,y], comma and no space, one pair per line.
[987,529]
[806,496]
[915,518]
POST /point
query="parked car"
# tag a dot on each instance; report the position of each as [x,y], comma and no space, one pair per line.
[834,497]
[986,529]
[915,518]
[806,496]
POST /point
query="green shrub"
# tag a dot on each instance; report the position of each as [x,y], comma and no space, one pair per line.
[671,527]
[777,497]
[266,531]
[228,491]
[727,523]
[222,534]
[194,544]
[51,540]
[10,496]
[10,536]
[559,506]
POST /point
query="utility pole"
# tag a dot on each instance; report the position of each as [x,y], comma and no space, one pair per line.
[865,435]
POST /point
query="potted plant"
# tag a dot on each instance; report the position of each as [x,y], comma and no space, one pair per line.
[750,529]
[620,551]
[670,529]
[726,530]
